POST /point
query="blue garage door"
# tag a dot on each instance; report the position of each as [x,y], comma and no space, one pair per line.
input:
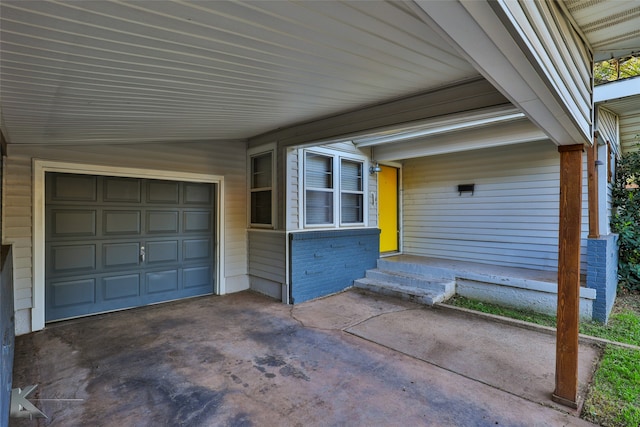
[115,243]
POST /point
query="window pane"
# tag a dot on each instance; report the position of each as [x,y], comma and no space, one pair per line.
[319,207]
[261,207]
[319,171]
[351,176]
[351,208]
[261,171]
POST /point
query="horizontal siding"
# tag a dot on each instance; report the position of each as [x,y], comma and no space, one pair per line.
[607,126]
[17,214]
[630,132]
[293,190]
[346,147]
[267,255]
[227,159]
[511,219]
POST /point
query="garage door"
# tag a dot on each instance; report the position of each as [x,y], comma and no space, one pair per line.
[115,243]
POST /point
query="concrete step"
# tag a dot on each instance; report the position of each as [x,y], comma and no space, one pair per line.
[434,284]
[406,292]
[415,268]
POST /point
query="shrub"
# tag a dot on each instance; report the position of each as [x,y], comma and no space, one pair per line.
[626,219]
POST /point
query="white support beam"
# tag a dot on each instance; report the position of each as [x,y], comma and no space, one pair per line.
[517,132]
[482,32]
[616,90]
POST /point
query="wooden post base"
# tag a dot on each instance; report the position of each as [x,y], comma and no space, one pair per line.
[564,402]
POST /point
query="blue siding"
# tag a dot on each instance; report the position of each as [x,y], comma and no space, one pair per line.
[7,329]
[602,273]
[326,262]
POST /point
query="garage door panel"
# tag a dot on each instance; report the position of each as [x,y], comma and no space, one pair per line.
[162,222]
[73,292]
[72,259]
[162,281]
[197,221]
[119,287]
[122,190]
[73,223]
[166,192]
[162,251]
[115,243]
[68,187]
[199,194]
[121,255]
[121,222]
[196,249]
[195,277]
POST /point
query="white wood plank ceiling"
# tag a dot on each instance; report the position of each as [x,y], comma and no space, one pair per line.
[79,72]
[130,72]
[611,27]
[623,99]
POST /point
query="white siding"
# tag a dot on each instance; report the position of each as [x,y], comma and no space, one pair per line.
[607,126]
[267,255]
[293,190]
[214,158]
[17,222]
[630,132]
[511,219]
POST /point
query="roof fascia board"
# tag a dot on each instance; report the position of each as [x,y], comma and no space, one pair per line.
[616,90]
[488,42]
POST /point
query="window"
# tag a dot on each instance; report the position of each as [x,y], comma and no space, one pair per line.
[351,192]
[261,177]
[319,189]
[333,190]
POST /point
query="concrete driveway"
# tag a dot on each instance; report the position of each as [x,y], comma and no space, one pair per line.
[351,359]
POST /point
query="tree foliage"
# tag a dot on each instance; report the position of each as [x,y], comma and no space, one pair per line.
[626,219]
[616,69]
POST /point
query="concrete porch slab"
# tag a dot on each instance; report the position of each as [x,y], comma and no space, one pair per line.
[246,360]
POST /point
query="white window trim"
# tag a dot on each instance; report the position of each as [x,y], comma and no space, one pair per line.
[256,151]
[337,157]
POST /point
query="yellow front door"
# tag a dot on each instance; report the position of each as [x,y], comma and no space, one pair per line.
[388,208]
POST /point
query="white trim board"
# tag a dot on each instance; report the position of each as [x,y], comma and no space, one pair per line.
[40,167]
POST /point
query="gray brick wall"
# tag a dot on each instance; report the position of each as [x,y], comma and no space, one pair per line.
[602,273]
[325,262]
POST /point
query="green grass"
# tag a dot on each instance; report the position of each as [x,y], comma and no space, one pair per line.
[614,396]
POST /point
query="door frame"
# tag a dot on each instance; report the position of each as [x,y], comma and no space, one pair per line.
[41,167]
[400,206]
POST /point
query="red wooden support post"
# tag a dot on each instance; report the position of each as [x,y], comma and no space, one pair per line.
[566,391]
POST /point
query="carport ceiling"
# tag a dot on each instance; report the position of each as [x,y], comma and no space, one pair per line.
[611,27]
[128,72]
[105,72]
